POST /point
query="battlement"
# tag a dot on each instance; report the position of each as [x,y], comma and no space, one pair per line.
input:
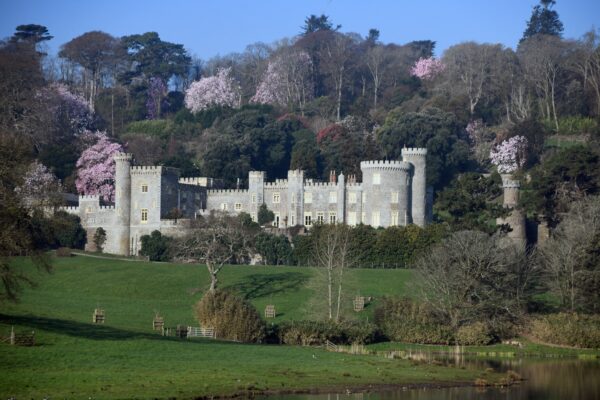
[354,185]
[320,184]
[107,208]
[298,173]
[228,191]
[256,174]
[414,151]
[89,197]
[70,209]
[385,164]
[196,181]
[278,184]
[510,183]
[123,157]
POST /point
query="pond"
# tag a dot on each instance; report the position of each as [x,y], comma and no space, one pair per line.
[544,379]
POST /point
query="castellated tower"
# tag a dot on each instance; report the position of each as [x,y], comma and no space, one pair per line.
[418,196]
[256,188]
[295,197]
[122,203]
[516,219]
[386,192]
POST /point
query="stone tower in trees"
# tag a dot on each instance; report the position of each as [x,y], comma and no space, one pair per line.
[418,197]
[516,218]
[122,202]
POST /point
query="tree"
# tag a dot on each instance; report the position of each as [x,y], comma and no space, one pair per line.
[67,230]
[96,167]
[510,155]
[321,23]
[157,91]
[274,249]
[468,203]
[218,90]
[427,68]
[377,60]
[265,216]
[216,240]
[156,246]
[96,52]
[100,239]
[571,258]
[587,63]
[31,33]
[335,54]
[543,21]
[333,254]
[40,187]
[473,277]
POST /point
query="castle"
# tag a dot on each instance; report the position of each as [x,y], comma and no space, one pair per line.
[391,193]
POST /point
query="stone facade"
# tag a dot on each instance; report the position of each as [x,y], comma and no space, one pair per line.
[391,193]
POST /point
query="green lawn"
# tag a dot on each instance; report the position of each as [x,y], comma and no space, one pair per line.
[125,359]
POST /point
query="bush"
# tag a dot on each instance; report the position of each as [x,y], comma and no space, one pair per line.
[577,125]
[63,252]
[574,329]
[232,318]
[67,230]
[308,333]
[156,246]
[404,320]
[475,334]
[99,239]
[157,127]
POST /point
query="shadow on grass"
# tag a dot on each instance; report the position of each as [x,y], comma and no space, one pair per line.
[262,285]
[79,329]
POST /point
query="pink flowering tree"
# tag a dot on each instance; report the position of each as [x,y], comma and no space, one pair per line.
[218,90]
[510,155]
[70,110]
[40,187]
[427,68]
[157,91]
[287,81]
[96,168]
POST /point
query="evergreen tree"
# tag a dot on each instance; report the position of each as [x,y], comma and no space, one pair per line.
[543,21]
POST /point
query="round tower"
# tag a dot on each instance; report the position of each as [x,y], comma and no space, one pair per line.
[122,202]
[516,219]
[418,193]
[385,188]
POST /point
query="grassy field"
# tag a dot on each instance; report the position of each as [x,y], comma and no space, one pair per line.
[125,359]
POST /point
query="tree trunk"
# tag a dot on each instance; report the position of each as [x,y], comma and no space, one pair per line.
[213,282]
[339,96]
[329,293]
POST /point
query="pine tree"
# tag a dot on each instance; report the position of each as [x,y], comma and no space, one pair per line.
[543,21]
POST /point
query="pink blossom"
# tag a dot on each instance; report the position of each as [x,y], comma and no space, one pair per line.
[509,155]
[67,107]
[39,185]
[427,68]
[218,90]
[96,168]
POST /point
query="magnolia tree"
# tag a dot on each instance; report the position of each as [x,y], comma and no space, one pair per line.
[68,108]
[157,90]
[427,68]
[509,155]
[218,90]
[40,187]
[96,167]
[287,81]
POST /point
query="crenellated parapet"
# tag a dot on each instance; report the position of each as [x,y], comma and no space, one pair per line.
[70,209]
[196,181]
[510,183]
[385,165]
[153,170]
[123,157]
[320,184]
[89,197]
[278,184]
[227,191]
[414,151]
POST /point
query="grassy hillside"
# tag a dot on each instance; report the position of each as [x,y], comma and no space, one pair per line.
[125,359]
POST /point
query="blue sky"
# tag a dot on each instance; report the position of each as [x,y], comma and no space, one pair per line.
[208,28]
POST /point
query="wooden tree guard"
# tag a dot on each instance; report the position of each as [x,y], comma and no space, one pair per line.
[158,323]
[98,316]
[22,339]
[270,311]
[181,331]
[359,303]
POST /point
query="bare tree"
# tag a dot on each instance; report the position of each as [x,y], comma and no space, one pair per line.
[542,58]
[336,54]
[586,62]
[332,253]
[377,60]
[570,250]
[472,276]
[216,240]
[471,69]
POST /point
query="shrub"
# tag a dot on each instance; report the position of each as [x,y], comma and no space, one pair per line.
[67,230]
[156,127]
[574,329]
[63,252]
[99,239]
[577,125]
[405,320]
[232,318]
[307,333]
[156,246]
[475,334]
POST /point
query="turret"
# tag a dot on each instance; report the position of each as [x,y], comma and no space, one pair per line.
[516,218]
[122,202]
[295,197]
[418,196]
[256,188]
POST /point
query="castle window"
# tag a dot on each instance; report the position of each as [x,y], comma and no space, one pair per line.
[332,217]
[238,206]
[308,197]
[144,215]
[333,197]
[375,219]
[352,197]
[307,219]
[364,198]
[352,218]
[144,188]
[276,220]
[276,198]
[395,197]
[224,206]
[320,217]
[253,198]
[376,178]
[394,218]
